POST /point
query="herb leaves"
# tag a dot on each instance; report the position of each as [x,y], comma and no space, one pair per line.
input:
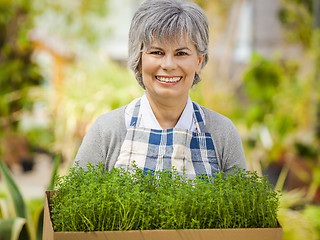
[98,200]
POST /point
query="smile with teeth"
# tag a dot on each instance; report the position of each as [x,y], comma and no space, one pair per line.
[168,79]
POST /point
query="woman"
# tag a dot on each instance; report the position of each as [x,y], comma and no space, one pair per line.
[168,47]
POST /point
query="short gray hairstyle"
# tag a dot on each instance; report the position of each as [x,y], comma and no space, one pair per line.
[165,20]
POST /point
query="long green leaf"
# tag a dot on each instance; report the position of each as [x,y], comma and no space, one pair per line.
[56,164]
[40,225]
[14,192]
[35,207]
[4,208]
[10,228]
[20,208]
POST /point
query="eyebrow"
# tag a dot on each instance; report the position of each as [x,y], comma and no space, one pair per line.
[178,49]
[158,48]
[183,48]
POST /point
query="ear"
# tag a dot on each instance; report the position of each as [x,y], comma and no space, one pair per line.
[200,61]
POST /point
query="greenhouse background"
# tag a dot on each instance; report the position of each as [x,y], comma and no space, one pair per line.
[63,63]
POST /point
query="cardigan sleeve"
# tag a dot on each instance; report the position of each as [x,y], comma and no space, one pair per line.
[103,141]
[227,141]
[232,152]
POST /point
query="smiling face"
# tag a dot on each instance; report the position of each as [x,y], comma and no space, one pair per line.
[168,70]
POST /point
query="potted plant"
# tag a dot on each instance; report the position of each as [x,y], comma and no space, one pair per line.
[133,204]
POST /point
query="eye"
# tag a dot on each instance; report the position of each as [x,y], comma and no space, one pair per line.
[181,53]
[156,52]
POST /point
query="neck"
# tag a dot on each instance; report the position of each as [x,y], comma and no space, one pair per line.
[167,111]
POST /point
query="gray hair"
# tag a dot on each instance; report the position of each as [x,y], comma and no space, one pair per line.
[167,20]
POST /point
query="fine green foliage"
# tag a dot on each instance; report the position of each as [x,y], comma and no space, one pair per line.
[99,200]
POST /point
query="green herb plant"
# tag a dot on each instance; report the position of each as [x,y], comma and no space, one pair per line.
[99,200]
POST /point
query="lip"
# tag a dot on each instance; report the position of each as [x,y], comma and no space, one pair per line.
[173,80]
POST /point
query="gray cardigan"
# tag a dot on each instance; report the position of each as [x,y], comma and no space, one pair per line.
[103,141]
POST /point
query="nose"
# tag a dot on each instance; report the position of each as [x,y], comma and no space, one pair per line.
[168,62]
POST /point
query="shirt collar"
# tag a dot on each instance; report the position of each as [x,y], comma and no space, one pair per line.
[148,120]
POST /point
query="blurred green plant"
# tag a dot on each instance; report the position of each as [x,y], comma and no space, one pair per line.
[21,220]
[277,99]
[279,114]
[283,114]
[18,74]
[299,219]
[222,7]
[41,138]
[312,214]
[261,83]
[70,21]
[291,14]
[301,21]
[79,25]
[93,87]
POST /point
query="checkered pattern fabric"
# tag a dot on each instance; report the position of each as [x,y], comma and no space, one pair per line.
[190,152]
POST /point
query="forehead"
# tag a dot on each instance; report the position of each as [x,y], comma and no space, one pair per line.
[173,45]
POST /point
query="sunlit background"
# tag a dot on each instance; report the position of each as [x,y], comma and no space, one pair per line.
[63,63]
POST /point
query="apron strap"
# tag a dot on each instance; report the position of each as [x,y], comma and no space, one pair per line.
[198,118]
[135,119]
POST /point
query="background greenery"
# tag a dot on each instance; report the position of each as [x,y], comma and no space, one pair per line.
[275,106]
